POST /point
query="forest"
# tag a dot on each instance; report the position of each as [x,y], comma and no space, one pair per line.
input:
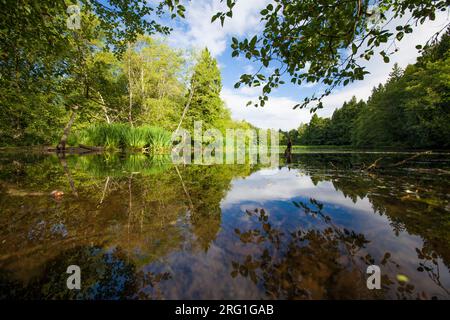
[114,81]
[410,110]
[144,87]
[132,95]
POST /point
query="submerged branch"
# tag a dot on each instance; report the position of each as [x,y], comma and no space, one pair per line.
[376,166]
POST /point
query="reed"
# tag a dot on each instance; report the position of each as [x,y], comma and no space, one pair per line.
[124,137]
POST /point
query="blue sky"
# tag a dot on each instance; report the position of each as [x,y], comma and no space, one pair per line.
[197,32]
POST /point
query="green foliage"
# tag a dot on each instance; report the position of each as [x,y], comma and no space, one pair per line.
[47,69]
[154,86]
[343,122]
[206,104]
[317,131]
[410,110]
[157,139]
[325,41]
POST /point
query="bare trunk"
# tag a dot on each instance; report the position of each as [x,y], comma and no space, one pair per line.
[105,109]
[104,190]
[62,160]
[191,205]
[130,91]
[186,108]
[142,83]
[62,143]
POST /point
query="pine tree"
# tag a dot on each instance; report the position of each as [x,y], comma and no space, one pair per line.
[206,84]
[396,73]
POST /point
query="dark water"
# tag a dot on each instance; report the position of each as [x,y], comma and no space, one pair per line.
[140,227]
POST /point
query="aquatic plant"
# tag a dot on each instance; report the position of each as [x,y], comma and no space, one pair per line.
[122,136]
[159,140]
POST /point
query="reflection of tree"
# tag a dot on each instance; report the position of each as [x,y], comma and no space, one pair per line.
[125,201]
[327,262]
[104,275]
[206,187]
[413,201]
[430,266]
[304,264]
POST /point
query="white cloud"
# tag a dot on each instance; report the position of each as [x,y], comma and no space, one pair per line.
[197,30]
[277,113]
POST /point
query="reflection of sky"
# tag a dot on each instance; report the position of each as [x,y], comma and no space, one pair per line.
[199,274]
[263,186]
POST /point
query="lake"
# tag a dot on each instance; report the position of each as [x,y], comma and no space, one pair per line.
[140,227]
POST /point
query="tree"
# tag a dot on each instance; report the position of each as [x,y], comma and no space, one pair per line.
[427,107]
[44,63]
[325,41]
[205,101]
[343,121]
[159,87]
[412,108]
[316,132]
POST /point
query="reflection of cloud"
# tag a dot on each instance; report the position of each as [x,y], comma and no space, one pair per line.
[263,187]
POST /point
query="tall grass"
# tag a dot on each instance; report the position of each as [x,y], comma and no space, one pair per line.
[158,139]
[122,136]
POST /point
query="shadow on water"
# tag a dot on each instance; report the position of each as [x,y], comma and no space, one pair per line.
[140,227]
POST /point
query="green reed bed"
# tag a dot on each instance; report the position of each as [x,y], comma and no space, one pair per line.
[121,165]
[124,137]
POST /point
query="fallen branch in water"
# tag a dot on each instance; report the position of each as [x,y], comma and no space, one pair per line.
[376,166]
[431,171]
[332,164]
[82,146]
[409,159]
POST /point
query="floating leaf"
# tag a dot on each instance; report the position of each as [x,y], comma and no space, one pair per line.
[402,278]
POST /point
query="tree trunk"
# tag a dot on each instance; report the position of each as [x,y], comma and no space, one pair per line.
[62,143]
[186,108]
[62,160]
[142,82]
[130,91]
[105,108]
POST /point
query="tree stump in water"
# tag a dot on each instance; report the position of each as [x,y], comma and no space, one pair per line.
[288,151]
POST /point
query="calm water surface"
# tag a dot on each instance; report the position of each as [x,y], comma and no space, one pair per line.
[140,227]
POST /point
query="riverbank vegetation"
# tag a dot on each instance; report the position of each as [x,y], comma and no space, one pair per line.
[66,72]
[410,110]
[83,91]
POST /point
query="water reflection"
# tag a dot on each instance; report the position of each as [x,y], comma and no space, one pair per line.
[140,227]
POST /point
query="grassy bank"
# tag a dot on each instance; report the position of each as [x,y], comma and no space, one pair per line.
[120,136]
